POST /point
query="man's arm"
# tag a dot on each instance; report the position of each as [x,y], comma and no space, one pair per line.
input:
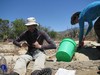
[81,33]
[17,40]
[51,44]
[89,28]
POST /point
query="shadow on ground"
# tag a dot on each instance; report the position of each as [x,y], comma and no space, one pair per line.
[91,53]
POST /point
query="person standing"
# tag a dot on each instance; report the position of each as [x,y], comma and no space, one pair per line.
[34,38]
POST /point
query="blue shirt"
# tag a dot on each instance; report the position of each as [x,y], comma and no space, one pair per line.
[90,13]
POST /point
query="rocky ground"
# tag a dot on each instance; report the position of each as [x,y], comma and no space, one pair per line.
[84,62]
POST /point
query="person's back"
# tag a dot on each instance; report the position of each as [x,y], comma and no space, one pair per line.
[91,12]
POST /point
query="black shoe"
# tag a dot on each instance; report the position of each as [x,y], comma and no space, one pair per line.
[98,48]
[98,72]
[35,72]
[13,73]
[98,67]
[4,74]
[45,71]
[98,40]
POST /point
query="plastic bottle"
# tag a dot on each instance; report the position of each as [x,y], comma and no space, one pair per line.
[3,64]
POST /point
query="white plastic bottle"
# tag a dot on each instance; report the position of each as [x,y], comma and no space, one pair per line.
[3,64]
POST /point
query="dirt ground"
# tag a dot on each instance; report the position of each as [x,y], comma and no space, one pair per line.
[84,62]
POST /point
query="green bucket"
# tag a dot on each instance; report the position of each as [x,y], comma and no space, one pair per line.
[66,50]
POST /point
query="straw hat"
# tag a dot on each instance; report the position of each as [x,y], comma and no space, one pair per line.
[31,21]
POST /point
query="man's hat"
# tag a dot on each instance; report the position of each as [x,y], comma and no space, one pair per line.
[31,21]
[74,16]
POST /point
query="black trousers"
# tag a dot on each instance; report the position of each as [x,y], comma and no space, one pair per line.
[97,29]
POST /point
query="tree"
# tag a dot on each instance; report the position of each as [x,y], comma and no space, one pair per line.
[4,29]
[52,34]
[18,26]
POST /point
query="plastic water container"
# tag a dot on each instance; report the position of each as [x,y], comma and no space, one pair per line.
[3,64]
[66,50]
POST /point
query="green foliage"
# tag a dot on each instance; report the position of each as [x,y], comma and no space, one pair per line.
[15,28]
[4,28]
[53,34]
[44,28]
[18,26]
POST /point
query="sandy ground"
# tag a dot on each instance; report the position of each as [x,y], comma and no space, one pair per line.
[84,62]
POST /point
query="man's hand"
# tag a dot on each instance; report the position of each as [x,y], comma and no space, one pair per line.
[24,45]
[79,47]
[36,45]
[81,44]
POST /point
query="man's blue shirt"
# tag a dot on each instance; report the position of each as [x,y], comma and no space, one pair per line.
[90,13]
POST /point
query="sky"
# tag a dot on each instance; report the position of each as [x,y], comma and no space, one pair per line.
[53,14]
